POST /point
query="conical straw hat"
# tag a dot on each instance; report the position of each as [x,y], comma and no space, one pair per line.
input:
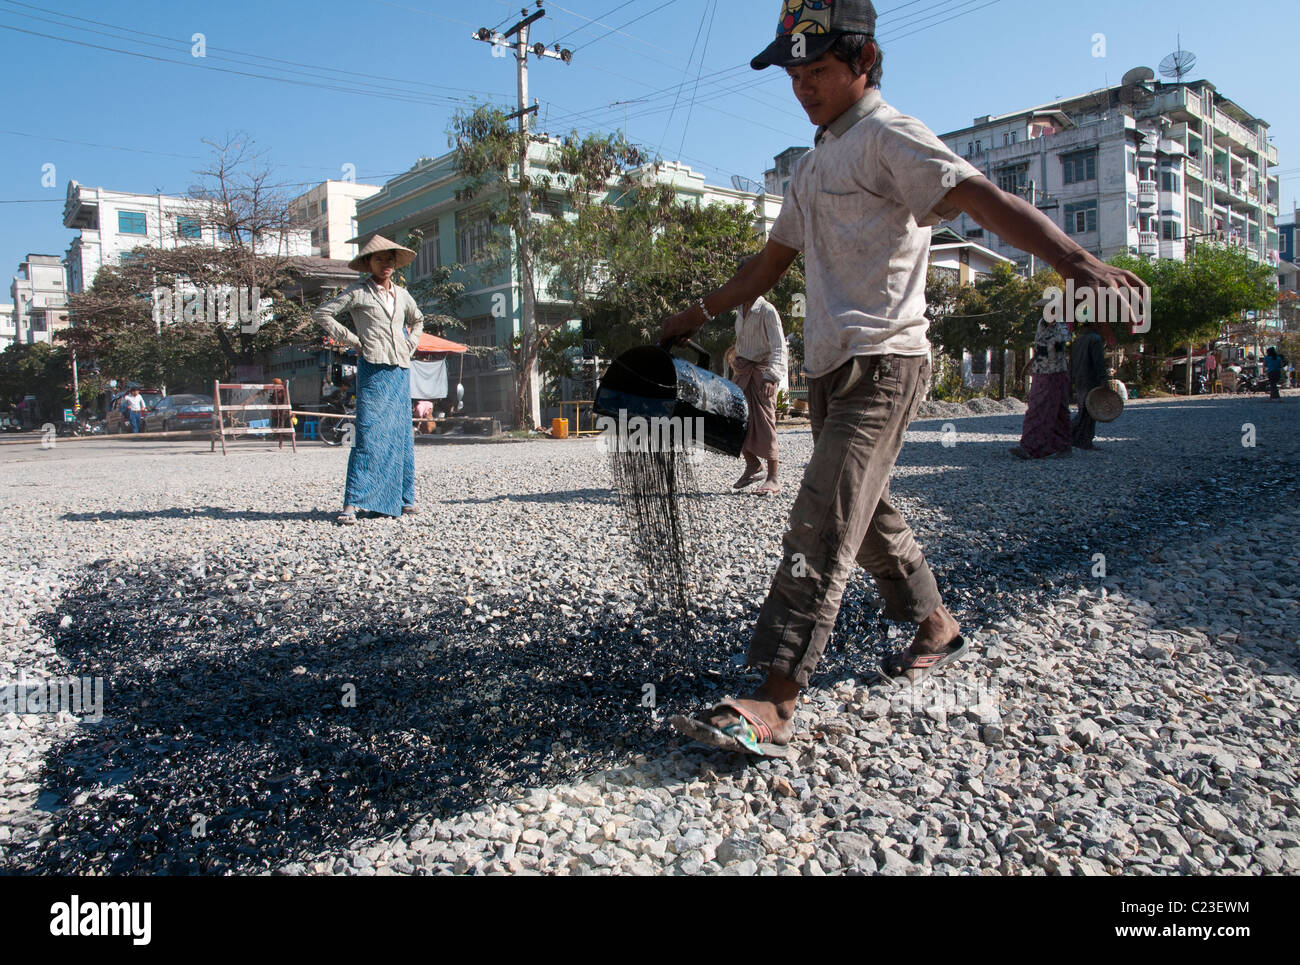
[376,244]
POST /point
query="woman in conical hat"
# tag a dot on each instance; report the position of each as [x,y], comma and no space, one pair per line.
[388,323]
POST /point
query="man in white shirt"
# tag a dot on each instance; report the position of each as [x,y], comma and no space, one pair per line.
[760,365]
[860,207]
[133,406]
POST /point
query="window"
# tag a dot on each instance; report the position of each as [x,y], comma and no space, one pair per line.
[429,256]
[970,148]
[1013,137]
[312,210]
[130,222]
[1014,179]
[1006,139]
[1170,231]
[223,234]
[1079,167]
[482,332]
[473,235]
[1169,181]
[1081,217]
[323,203]
[1132,163]
[188,228]
[979,147]
[974,232]
[979,364]
[1132,216]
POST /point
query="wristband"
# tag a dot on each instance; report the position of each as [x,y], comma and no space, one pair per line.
[699,303]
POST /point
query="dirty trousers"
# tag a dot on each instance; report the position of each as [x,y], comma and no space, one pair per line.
[843,513]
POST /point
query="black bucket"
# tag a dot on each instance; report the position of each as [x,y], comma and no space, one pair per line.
[650,383]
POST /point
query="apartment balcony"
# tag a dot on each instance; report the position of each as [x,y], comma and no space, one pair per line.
[1227,130]
[1180,104]
[1176,250]
[1193,167]
[1149,243]
[1148,193]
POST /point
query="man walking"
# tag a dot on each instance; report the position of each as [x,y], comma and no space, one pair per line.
[760,366]
[860,207]
[133,408]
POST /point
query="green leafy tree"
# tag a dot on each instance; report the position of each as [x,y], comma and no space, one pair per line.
[530,238]
[1192,300]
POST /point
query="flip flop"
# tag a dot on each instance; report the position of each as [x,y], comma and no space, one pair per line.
[768,489]
[747,480]
[905,661]
[749,735]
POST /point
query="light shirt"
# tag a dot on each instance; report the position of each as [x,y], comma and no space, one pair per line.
[134,403]
[1051,343]
[388,324]
[760,338]
[860,207]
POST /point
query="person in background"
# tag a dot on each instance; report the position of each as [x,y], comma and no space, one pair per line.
[381,466]
[1046,430]
[1273,370]
[1087,372]
[1212,371]
[759,364]
[133,408]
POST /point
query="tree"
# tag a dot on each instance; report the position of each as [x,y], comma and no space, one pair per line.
[114,321]
[663,254]
[583,171]
[1000,312]
[1192,299]
[439,295]
[39,370]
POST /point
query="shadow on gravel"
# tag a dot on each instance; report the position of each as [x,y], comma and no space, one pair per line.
[215,722]
[248,734]
[201,512]
[567,496]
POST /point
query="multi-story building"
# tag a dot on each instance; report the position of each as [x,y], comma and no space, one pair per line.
[1143,168]
[457,232]
[40,299]
[1287,270]
[8,330]
[329,213]
[777,178]
[110,224]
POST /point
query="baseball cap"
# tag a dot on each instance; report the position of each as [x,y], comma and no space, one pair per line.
[809,28]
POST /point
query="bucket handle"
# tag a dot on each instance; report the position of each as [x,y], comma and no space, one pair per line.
[703,360]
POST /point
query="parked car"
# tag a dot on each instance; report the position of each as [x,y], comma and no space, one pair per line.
[114,421]
[182,412]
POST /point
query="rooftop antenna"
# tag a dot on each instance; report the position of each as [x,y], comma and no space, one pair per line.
[1178,64]
[1134,92]
[748,185]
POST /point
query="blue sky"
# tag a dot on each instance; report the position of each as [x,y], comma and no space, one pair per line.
[373,83]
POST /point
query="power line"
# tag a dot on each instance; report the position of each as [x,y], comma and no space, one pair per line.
[172,42]
[578,30]
[703,54]
[618,29]
[680,87]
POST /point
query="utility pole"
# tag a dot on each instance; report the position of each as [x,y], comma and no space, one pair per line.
[528,319]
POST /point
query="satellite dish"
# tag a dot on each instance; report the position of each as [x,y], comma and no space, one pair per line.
[748,185]
[1178,64]
[1136,96]
[1138,75]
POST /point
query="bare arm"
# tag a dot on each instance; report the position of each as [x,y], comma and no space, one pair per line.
[1019,223]
[757,276]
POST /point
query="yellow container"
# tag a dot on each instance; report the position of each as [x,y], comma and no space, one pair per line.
[559,428]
